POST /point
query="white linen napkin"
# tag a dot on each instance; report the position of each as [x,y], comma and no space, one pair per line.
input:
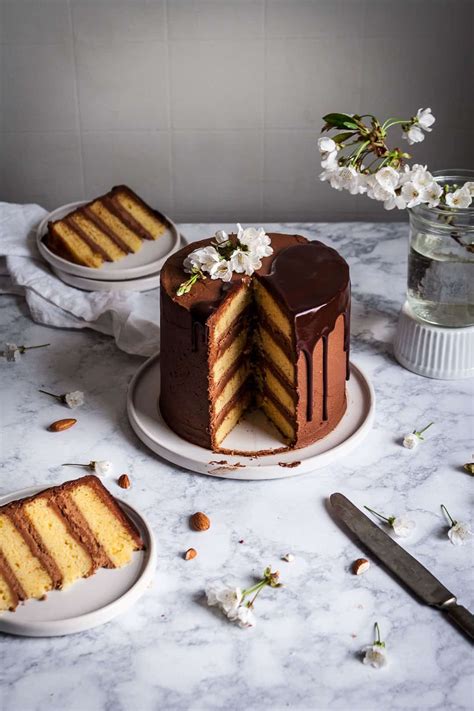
[132,318]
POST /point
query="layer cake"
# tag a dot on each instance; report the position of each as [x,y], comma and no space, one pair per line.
[277,340]
[66,532]
[106,229]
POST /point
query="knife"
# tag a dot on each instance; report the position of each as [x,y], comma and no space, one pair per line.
[406,568]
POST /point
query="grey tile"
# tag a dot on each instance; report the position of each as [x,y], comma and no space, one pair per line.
[35,21]
[306,78]
[407,19]
[314,18]
[217,175]
[42,167]
[122,85]
[138,159]
[38,87]
[215,19]
[216,84]
[98,21]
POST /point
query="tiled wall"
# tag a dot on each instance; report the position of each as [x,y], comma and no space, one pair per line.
[211,109]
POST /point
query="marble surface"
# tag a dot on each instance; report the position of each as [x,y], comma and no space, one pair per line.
[173,652]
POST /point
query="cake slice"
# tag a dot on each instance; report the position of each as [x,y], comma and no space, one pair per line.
[64,533]
[106,229]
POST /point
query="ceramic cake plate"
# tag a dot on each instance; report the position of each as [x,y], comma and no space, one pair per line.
[147,261]
[253,433]
[88,602]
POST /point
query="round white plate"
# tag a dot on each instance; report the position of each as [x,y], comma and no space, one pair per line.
[141,284]
[148,260]
[253,433]
[88,602]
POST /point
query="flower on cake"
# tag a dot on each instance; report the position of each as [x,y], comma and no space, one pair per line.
[11,352]
[402,526]
[459,533]
[226,256]
[412,440]
[374,654]
[232,602]
[72,399]
[358,159]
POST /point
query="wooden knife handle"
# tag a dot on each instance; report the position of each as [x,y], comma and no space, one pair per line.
[461,616]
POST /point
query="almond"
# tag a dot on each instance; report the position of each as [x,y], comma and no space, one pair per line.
[190,554]
[199,521]
[124,481]
[61,425]
[359,566]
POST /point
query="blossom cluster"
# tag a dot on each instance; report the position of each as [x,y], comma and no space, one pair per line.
[391,181]
[224,256]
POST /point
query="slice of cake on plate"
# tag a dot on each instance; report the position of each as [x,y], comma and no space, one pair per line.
[106,229]
[64,533]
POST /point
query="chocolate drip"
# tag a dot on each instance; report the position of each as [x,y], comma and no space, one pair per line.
[306,278]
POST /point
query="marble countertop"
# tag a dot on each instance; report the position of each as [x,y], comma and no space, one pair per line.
[170,651]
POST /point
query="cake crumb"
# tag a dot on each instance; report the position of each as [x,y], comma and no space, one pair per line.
[241,540]
[288,557]
[289,465]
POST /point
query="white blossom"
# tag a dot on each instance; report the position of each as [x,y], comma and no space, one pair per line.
[410,441]
[226,597]
[402,526]
[425,119]
[420,176]
[388,178]
[469,186]
[459,533]
[102,468]
[414,135]
[411,194]
[221,237]
[460,198]
[74,399]
[393,201]
[288,557]
[431,194]
[244,616]
[375,656]
[326,145]
[329,160]
[221,270]
[242,262]
[11,352]
[348,179]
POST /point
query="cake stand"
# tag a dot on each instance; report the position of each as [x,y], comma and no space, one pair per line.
[433,351]
[253,433]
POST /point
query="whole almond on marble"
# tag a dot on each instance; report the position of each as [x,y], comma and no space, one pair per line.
[199,521]
[124,481]
[190,554]
[61,425]
[359,566]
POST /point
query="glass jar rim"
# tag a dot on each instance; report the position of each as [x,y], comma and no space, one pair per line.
[442,176]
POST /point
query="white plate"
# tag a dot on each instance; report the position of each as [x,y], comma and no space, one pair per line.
[141,284]
[148,260]
[88,602]
[253,433]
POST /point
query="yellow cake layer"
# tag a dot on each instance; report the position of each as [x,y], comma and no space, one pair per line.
[274,414]
[121,230]
[113,251]
[278,390]
[275,354]
[31,575]
[83,254]
[231,387]
[106,527]
[232,418]
[228,358]
[71,558]
[272,310]
[7,600]
[231,313]
[151,223]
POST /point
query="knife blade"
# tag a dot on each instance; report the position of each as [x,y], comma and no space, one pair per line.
[406,568]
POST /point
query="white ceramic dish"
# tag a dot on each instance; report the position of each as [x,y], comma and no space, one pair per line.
[148,260]
[88,602]
[252,434]
[145,283]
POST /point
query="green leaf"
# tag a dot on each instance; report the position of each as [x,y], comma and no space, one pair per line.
[340,121]
[341,137]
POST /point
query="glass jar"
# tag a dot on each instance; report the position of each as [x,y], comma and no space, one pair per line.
[441,259]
